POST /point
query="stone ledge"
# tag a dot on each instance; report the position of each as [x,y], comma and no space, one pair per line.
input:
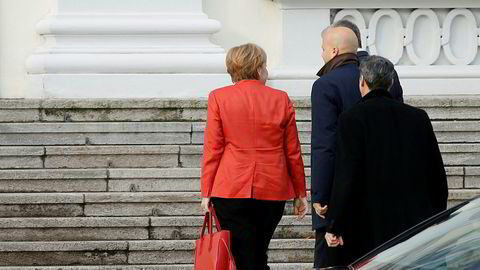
[20,103]
[53,185]
[22,151]
[307,149]
[62,246]
[191,149]
[450,125]
[96,127]
[287,220]
[472,171]
[155,103]
[112,150]
[175,245]
[53,174]
[463,194]
[142,197]
[41,198]
[444,101]
[142,245]
[154,173]
[140,103]
[75,222]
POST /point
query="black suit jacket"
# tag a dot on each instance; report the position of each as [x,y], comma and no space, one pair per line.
[389,173]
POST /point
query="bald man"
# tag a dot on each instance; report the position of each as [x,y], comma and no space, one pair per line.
[335,91]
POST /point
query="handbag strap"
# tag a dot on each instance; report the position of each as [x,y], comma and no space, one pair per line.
[207,224]
[210,216]
[212,211]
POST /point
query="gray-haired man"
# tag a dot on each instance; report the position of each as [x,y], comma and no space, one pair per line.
[389,173]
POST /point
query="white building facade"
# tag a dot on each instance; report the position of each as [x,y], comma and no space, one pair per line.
[176,49]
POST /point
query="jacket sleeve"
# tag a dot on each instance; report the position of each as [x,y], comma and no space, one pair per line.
[293,153]
[213,146]
[324,125]
[438,178]
[348,169]
[396,89]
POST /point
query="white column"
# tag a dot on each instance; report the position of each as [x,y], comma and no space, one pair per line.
[127,48]
[302,26]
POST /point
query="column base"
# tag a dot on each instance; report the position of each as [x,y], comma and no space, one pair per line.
[125,85]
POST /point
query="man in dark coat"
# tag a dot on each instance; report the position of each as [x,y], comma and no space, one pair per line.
[396,89]
[334,92]
[389,172]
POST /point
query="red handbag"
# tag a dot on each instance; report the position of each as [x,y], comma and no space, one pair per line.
[212,250]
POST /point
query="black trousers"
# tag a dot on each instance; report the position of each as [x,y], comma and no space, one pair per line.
[251,223]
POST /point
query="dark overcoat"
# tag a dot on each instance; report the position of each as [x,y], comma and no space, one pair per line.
[389,174]
[332,93]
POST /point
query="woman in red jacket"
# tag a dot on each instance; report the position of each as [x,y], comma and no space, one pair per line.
[252,162]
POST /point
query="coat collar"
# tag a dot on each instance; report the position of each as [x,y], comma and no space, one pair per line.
[362,55]
[248,82]
[376,93]
[338,61]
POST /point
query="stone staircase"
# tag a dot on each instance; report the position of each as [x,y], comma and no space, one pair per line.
[114,184]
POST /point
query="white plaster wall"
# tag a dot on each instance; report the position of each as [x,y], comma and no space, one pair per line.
[257,21]
[18,39]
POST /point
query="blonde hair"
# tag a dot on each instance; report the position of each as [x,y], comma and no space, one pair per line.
[244,60]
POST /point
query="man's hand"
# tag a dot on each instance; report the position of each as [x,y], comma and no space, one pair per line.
[300,207]
[205,203]
[321,211]
[333,240]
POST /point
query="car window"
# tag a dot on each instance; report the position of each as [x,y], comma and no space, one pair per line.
[453,243]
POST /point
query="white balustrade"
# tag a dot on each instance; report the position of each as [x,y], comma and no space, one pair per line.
[422,35]
[434,44]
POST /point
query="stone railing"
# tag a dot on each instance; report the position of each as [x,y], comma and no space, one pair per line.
[433,43]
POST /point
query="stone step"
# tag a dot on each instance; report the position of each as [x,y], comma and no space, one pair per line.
[126,228]
[172,133]
[189,110]
[95,138]
[21,157]
[189,179]
[58,180]
[132,252]
[118,204]
[123,110]
[182,228]
[142,156]
[98,127]
[453,154]
[273,266]
[161,133]
[446,132]
[146,179]
[91,198]
[157,156]
[118,156]
[74,229]
[41,204]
